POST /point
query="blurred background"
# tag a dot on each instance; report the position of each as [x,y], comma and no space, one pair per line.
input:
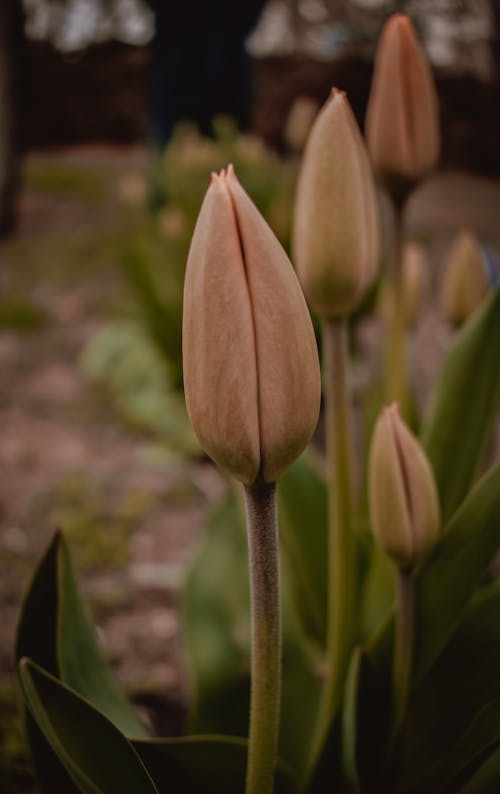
[112,115]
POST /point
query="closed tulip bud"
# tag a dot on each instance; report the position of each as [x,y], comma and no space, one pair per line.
[335,232]
[402,118]
[404,505]
[465,284]
[412,280]
[299,122]
[251,370]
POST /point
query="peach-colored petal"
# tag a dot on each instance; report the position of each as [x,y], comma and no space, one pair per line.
[335,220]
[220,372]
[288,375]
[402,118]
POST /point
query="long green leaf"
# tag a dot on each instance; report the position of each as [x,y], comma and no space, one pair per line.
[454,714]
[81,662]
[208,764]
[487,778]
[35,638]
[465,404]
[95,753]
[217,624]
[303,506]
[449,578]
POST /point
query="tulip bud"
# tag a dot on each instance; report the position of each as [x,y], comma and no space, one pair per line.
[402,117]
[299,122]
[412,280]
[465,284]
[335,223]
[251,370]
[404,505]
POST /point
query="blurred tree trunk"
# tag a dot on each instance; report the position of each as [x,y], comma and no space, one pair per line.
[11,45]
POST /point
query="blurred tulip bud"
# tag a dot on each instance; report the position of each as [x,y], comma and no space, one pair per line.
[402,117]
[413,267]
[465,283]
[414,261]
[251,369]
[299,122]
[132,189]
[335,223]
[404,505]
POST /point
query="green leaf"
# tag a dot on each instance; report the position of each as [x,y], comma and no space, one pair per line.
[217,624]
[465,404]
[365,725]
[487,778]
[455,568]
[56,632]
[35,638]
[303,510]
[212,764]
[95,753]
[36,630]
[217,628]
[81,663]
[454,714]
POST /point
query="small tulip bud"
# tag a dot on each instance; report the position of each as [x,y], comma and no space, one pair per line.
[414,261]
[251,369]
[335,223]
[465,283]
[404,505]
[402,117]
[299,122]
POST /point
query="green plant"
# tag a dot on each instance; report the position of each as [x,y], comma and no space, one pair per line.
[349,688]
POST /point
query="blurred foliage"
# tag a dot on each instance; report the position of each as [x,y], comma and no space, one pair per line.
[17,313]
[59,179]
[97,525]
[138,358]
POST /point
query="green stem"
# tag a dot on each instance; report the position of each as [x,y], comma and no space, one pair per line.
[403,646]
[266,636]
[341,554]
[396,386]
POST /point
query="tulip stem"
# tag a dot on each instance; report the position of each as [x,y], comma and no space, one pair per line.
[266,636]
[403,645]
[396,353]
[341,553]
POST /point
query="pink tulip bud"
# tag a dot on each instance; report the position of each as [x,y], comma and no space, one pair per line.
[251,369]
[402,118]
[336,223]
[464,284]
[404,504]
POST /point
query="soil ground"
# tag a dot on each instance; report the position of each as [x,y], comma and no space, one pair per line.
[133,517]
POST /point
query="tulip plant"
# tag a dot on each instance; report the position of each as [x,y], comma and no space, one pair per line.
[371,665]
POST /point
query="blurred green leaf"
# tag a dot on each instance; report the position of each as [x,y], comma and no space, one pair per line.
[96,755]
[486,779]
[454,714]
[465,404]
[365,726]
[455,568]
[303,511]
[212,764]
[122,359]
[217,624]
[217,628]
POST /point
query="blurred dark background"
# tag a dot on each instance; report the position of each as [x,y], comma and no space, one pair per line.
[83,68]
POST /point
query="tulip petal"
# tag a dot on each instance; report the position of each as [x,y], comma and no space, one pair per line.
[219,357]
[335,220]
[288,375]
